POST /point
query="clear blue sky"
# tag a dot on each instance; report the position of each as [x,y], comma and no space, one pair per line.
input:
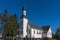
[40,12]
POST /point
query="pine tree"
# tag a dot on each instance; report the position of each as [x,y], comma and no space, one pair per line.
[57,35]
[10,24]
[5,21]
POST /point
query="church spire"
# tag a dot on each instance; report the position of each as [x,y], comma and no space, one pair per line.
[23,11]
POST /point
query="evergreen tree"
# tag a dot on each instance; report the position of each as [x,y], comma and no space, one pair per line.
[12,26]
[57,35]
[5,21]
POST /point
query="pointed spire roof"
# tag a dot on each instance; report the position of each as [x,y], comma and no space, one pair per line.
[23,16]
[23,8]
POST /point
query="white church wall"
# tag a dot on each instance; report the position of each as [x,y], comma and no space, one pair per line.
[49,33]
[25,22]
[34,33]
[28,31]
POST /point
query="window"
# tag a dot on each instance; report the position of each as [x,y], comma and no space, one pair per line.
[34,31]
[44,34]
[37,32]
[29,30]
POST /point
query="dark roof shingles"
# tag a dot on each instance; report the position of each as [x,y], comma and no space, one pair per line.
[44,28]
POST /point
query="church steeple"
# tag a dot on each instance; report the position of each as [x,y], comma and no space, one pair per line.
[24,22]
[23,11]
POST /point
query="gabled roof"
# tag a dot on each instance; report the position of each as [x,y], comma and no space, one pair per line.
[34,26]
[44,28]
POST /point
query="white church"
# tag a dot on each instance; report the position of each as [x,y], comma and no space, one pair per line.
[29,30]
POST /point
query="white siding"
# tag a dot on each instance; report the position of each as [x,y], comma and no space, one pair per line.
[28,31]
[25,22]
[49,33]
[35,35]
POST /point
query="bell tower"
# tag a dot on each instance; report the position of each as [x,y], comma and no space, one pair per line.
[24,11]
[24,22]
